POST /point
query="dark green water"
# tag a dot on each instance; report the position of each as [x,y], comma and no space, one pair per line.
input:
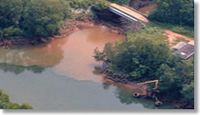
[60,75]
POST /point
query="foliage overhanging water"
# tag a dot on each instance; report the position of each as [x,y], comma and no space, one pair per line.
[60,75]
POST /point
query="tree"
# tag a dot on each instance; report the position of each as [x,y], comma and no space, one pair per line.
[6,104]
[120,2]
[144,60]
[140,58]
[10,12]
[188,92]
[175,12]
[177,80]
[11,31]
[42,18]
[81,3]
[32,18]
[100,5]
[25,106]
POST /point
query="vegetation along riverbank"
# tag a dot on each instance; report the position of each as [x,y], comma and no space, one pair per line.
[146,55]
[6,104]
[36,21]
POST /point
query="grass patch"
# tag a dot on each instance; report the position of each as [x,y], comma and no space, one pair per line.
[149,32]
[183,30]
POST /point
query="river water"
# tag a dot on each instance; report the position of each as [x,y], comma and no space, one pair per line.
[61,75]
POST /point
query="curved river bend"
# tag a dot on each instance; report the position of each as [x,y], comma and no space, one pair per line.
[60,75]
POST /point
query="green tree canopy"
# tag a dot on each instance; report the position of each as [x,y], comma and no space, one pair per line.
[139,58]
[32,17]
[42,17]
[6,104]
[10,12]
[100,5]
[120,2]
[175,12]
[177,80]
[144,59]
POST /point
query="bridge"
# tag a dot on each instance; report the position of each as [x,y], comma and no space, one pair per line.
[127,13]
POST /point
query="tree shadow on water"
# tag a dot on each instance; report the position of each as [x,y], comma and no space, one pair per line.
[17,69]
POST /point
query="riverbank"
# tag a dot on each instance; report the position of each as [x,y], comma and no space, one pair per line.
[73,25]
[70,26]
[122,80]
[138,91]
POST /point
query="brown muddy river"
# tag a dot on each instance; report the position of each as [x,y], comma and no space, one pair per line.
[60,75]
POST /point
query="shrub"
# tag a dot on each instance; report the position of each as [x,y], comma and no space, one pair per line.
[12,31]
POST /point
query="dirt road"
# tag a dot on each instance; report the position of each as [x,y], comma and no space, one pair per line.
[174,37]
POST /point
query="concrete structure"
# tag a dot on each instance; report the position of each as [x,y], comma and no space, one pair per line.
[184,50]
[179,46]
[127,13]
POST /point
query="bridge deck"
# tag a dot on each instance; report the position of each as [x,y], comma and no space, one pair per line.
[130,12]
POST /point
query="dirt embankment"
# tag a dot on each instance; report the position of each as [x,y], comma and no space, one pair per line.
[173,37]
[86,22]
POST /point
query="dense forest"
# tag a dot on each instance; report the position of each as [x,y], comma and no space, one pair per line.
[32,17]
[6,104]
[35,18]
[174,11]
